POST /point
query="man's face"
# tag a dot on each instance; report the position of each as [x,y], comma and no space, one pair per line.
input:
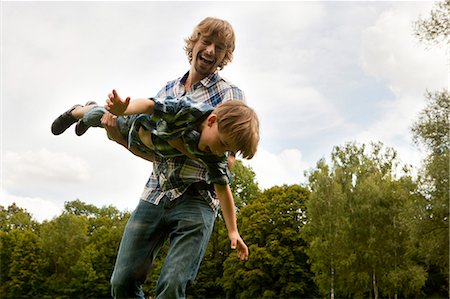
[207,54]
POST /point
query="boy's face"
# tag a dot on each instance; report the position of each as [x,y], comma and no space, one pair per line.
[207,54]
[212,141]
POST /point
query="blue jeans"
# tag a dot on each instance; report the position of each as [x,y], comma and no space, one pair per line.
[187,221]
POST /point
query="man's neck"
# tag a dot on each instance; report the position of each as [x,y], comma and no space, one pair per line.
[193,78]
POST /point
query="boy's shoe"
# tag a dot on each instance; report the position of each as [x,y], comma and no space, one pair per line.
[81,127]
[65,120]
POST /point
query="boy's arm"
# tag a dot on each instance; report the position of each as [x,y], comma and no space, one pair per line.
[117,106]
[227,204]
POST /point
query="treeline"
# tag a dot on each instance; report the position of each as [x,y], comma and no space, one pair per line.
[357,229]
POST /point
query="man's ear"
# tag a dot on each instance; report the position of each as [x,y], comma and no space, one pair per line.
[212,119]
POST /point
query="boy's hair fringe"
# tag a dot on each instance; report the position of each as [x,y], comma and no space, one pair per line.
[213,27]
[240,124]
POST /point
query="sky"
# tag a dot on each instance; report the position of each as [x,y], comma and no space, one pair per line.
[319,75]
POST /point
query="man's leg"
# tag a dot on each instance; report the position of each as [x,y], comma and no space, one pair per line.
[140,242]
[191,221]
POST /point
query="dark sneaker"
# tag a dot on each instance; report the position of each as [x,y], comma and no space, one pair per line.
[81,127]
[64,121]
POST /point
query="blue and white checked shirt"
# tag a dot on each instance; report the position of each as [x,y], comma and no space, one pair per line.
[174,118]
[172,176]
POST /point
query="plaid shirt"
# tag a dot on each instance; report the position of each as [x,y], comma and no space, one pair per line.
[172,176]
[174,118]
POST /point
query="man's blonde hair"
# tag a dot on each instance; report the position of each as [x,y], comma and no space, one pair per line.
[240,124]
[216,28]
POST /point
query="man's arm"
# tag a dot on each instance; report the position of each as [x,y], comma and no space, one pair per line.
[109,122]
[229,214]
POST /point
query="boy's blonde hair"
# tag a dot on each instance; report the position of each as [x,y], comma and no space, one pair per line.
[216,28]
[240,124]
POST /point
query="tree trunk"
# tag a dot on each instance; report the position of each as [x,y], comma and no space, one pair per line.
[375,288]
[332,284]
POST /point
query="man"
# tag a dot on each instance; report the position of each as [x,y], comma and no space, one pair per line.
[177,203]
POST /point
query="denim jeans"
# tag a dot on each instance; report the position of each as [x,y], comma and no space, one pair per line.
[187,222]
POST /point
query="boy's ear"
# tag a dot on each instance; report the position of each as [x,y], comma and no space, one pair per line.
[212,119]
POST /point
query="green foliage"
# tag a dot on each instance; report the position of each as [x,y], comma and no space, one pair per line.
[244,185]
[14,218]
[23,270]
[69,256]
[277,266]
[356,229]
[430,228]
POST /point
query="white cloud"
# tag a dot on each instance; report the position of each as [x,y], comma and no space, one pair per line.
[39,208]
[391,54]
[286,167]
[42,166]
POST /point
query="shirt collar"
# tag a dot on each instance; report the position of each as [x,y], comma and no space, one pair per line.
[207,82]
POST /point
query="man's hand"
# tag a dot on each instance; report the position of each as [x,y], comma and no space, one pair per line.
[115,104]
[109,122]
[238,244]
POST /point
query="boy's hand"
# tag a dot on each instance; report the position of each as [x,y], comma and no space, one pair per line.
[238,244]
[115,104]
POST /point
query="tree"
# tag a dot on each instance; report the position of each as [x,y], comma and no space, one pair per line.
[91,273]
[80,208]
[23,277]
[15,218]
[326,217]
[356,230]
[431,211]
[277,265]
[63,240]
[243,185]
[435,29]
[13,221]
[70,256]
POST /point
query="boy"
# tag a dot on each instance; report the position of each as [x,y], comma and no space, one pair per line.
[180,127]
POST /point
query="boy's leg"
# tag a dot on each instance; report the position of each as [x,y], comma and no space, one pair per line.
[190,220]
[81,126]
[141,240]
[68,118]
